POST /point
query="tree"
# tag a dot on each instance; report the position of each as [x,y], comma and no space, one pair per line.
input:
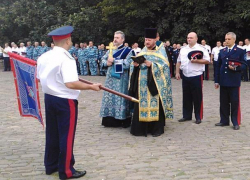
[96,20]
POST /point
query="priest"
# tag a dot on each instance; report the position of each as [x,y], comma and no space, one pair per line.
[150,82]
[115,110]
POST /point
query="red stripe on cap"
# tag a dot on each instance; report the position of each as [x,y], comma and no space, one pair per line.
[61,37]
[239,112]
[70,138]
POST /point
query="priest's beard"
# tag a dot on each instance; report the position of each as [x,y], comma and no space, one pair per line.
[150,46]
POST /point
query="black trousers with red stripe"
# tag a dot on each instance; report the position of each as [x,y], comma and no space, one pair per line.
[61,120]
[230,104]
[192,97]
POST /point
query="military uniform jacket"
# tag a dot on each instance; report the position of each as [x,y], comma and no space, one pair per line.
[225,76]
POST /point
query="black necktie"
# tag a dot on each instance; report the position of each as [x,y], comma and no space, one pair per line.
[229,50]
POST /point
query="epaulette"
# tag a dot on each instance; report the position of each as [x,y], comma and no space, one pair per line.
[224,48]
[69,55]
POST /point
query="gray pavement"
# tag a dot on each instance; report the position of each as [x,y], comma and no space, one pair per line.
[185,151]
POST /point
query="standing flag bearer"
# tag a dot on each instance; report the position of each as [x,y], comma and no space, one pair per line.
[57,72]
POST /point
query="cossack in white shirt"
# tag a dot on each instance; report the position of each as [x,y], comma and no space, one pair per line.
[192,69]
[7,49]
[54,69]
[22,50]
[247,48]
[216,51]
[15,50]
[208,48]
[137,50]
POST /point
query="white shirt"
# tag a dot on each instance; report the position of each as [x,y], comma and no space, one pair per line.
[16,50]
[208,48]
[247,48]
[137,50]
[216,51]
[241,47]
[192,69]
[22,49]
[54,69]
[7,49]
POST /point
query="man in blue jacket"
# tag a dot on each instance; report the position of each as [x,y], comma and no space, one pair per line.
[228,76]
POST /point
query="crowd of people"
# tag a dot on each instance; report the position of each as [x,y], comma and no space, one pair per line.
[88,57]
[174,50]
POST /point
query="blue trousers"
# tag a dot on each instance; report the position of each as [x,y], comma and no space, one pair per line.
[192,97]
[83,67]
[93,67]
[61,120]
[6,61]
[230,104]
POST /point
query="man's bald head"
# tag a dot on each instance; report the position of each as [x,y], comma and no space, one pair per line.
[64,43]
[192,38]
[193,34]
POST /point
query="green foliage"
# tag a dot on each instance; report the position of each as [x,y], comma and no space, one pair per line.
[97,20]
[88,25]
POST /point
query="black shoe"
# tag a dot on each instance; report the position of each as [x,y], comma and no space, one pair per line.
[77,174]
[221,124]
[183,119]
[51,171]
[198,121]
[236,127]
[156,135]
[126,125]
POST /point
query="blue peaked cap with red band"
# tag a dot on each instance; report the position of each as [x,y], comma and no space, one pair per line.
[61,33]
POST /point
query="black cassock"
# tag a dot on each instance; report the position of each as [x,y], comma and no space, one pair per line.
[139,128]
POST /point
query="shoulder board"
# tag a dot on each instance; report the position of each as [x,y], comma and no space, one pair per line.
[224,49]
[68,55]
